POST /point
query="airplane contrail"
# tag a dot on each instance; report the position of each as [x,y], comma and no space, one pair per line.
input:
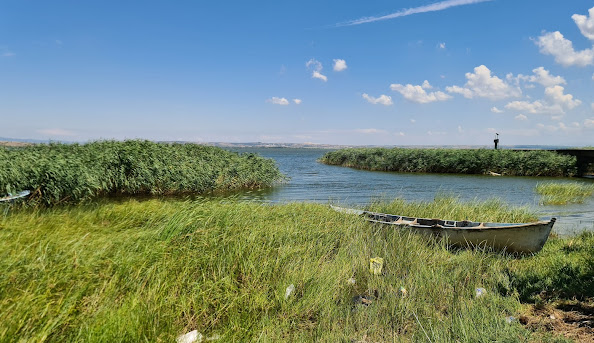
[438,6]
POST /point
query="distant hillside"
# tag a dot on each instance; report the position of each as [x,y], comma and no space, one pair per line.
[13,144]
[22,140]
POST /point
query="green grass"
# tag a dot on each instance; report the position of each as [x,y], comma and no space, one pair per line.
[556,193]
[460,161]
[133,271]
[73,173]
[563,270]
[450,208]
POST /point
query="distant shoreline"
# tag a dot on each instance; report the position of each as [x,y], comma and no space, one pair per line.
[10,142]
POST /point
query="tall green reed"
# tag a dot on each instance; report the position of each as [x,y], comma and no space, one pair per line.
[74,173]
[461,161]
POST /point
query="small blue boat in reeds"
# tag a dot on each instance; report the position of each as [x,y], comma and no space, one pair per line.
[12,197]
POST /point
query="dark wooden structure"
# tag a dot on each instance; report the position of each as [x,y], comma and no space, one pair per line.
[584,158]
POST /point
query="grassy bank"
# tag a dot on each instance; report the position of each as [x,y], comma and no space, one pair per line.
[563,193]
[58,173]
[460,161]
[148,271]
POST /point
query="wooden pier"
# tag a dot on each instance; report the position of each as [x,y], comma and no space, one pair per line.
[584,157]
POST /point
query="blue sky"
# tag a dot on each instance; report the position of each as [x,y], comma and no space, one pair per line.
[339,72]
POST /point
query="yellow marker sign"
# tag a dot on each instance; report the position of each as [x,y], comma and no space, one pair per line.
[375,265]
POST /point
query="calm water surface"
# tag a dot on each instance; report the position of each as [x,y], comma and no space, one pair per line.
[316,182]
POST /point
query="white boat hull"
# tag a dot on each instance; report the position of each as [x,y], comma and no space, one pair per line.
[524,239]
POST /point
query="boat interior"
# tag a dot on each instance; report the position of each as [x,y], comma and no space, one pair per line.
[394,219]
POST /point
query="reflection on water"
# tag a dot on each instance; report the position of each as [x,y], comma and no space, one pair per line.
[316,182]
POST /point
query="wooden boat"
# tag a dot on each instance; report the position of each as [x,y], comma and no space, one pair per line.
[11,197]
[523,238]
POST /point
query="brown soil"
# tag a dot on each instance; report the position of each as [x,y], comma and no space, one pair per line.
[571,319]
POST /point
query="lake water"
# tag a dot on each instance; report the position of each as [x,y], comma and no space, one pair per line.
[316,182]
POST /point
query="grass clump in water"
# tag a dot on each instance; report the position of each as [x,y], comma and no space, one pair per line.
[151,270]
[555,193]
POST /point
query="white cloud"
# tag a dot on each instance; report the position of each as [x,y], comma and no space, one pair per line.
[426,85]
[592,77]
[8,54]
[555,93]
[589,123]
[496,110]
[400,133]
[317,75]
[553,43]
[315,64]
[540,75]
[549,128]
[339,65]
[418,94]
[56,132]
[370,131]
[535,107]
[278,101]
[557,118]
[413,121]
[442,45]
[316,67]
[592,105]
[297,101]
[439,6]
[543,77]
[574,127]
[460,129]
[521,117]
[556,102]
[482,84]
[467,93]
[385,100]
[585,24]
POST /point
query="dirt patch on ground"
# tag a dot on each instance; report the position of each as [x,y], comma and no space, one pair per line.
[571,319]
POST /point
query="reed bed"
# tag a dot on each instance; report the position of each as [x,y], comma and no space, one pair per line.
[151,270]
[74,173]
[459,161]
[557,193]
